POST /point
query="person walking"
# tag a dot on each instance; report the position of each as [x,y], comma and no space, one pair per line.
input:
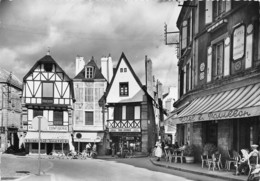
[158,150]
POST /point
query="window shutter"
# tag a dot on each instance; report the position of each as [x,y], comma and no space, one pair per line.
[137,112]
[111,113]
[123,112]
[249,46]
[227,57]
[228,6]
[190,26]
[184,35]
[130,112]
[184,79]
[209,65]
[208,12]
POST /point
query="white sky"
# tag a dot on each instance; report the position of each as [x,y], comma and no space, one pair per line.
[88,28]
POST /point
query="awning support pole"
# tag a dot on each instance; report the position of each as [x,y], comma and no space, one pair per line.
[62,147]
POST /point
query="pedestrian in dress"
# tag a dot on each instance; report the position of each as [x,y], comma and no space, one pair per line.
[158,150]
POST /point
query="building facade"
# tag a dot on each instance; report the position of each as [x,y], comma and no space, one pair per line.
[10,110]
[47,95]
[89,121]
[219,75]
[131,116]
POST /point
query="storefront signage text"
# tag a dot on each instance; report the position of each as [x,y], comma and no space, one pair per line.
[235,113]
[238,42]
[230,114]
[124,130]
[46,141]
[50,128]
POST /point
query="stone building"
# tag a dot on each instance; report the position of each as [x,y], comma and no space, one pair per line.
[219,75]
[89,121]
[10,109]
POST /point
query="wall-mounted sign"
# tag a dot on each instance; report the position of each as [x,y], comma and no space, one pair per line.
[58,128]
[238,65]
[239,42]
[124,129]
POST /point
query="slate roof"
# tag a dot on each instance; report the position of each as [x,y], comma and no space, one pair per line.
[97,72]
[5,77]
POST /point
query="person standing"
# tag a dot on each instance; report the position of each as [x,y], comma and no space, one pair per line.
[113,149]
[88,148]
[158,150]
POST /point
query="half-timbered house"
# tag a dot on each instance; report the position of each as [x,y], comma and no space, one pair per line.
[47,92]
[131,117]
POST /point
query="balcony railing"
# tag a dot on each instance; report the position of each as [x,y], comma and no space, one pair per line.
[124,123]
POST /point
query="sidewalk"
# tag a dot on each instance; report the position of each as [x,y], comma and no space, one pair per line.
[195,168]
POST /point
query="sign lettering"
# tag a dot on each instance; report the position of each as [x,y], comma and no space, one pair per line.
[238,42]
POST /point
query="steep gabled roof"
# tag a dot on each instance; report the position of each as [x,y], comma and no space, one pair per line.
[49,59]
[97,72]
[45,59]
[8,77]
[131,70]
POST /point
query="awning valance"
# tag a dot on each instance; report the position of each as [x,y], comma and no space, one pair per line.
[47,137]
[236,103]
[88,137]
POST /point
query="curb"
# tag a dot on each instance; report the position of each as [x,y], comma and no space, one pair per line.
[194,172]
[115,158]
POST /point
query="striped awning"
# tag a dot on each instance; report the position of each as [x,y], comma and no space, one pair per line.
[236,103]
[47,137]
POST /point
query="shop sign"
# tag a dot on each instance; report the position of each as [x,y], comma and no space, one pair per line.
[46,141]
[49,128]
[234,113]
[238,42]
[124,130]
[57,128]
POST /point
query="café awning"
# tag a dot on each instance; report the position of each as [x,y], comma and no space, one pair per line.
[236,103]
[88,137]
[47,137]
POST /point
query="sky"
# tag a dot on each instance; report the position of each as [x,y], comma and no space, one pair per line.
[28,28]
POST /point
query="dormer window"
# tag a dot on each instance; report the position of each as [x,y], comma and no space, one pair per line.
[89,72]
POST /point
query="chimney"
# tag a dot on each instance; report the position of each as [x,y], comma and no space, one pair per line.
[107,67]
[149,76]
[80,63]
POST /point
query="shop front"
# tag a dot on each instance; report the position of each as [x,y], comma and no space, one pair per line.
[228,119]
[127,140]
[50,141]
[81,139]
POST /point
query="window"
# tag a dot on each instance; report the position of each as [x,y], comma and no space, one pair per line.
[37,113]
[89,72]
[130,112]
[121,69]
[118,113]
[125,69]
[89,118]
[218,60]
[47,89]
[35,146]
[219,7]
[58,118]
[123,86]
[89,94]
